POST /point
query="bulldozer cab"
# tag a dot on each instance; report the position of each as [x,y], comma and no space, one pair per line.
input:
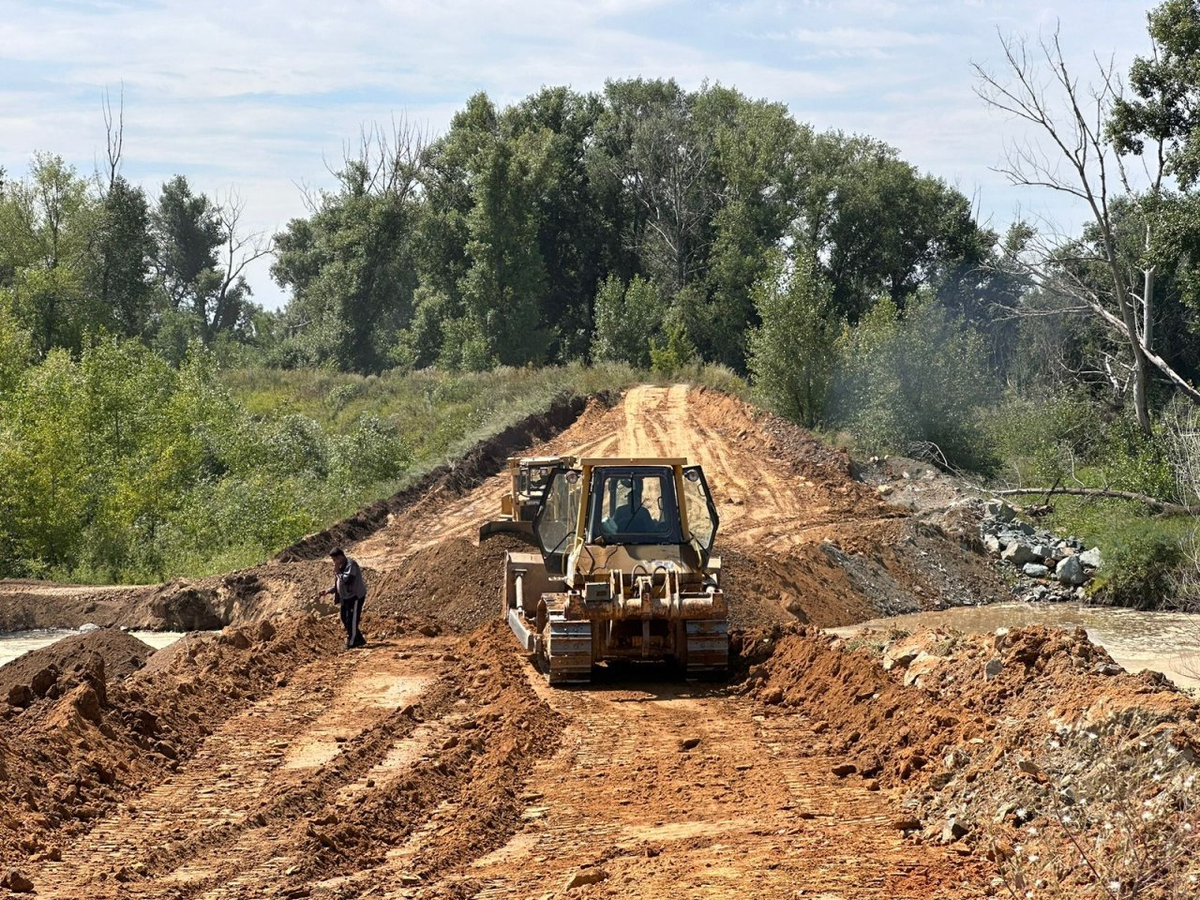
[627,503]
[531,477]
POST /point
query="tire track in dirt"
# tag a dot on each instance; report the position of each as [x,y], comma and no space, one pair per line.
[739,814]
[235,782]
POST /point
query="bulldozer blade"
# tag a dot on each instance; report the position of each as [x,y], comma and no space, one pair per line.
[505,526]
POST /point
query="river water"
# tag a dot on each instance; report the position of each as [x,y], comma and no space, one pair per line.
[1164,642]
[18,643]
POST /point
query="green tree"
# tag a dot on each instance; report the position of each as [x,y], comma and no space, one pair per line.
[793,353]
[351,265]
[119,262]
[506,282]
[915,384]
[650,148]
[879,226]
[1164,108]
[44,496]
[16,353]
[629,319]
[754,151]
[200,255]
[575,237]
[45,223]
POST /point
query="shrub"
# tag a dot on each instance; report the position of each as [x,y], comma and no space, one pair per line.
[1143,560]
[628,319]
[792,354]
[915,385]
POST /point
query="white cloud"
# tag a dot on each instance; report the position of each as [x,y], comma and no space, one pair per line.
[259,93]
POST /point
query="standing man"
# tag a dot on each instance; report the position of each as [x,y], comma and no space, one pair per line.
[349,592]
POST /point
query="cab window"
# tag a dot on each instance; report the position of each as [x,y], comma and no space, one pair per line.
[635,506]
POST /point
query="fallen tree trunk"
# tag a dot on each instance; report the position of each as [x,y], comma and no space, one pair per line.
[1154,503]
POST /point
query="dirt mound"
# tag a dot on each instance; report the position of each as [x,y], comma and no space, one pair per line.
[52,671]
[26,605]
[75,752]
[498,728]
[901,704]
[454,582]
[989,738]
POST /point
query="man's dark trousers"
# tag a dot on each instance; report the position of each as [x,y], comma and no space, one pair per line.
[351,611]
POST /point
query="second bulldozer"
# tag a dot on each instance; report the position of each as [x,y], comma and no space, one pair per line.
[528,476]
[625,571]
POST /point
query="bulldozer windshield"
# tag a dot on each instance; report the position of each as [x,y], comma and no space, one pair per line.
[701,511]
[635,505]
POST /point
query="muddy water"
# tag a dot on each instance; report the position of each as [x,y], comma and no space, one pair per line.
[1161,641]
[19,643]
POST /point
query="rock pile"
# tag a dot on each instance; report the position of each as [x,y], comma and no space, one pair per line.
[1050,567]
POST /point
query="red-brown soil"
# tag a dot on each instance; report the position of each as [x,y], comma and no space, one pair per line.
[120,654]
[436,763]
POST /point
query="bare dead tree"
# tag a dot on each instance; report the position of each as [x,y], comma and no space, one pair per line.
[385,162]
[238,251]
[114,136]
[1078,159]
[665,173]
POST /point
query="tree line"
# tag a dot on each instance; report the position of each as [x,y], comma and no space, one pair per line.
[568,226]
[604,226]
[641,227]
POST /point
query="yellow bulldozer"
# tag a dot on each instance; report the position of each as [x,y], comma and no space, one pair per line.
[625,570]
[528,475]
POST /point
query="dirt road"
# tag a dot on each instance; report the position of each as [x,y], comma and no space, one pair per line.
[359,779]
[760,496]
[442,766]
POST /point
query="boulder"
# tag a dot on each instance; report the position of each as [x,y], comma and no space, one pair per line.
[86,703]
[921,667]
[583,877]
[1035,570]
[992,544]
[41,683]
[900,656]
[952,830]
[1091,558]
[16,882]
[1070,571]
[998,509]
[1018,554]
[20,695]
[235,637]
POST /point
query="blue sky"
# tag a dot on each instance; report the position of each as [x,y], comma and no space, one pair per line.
[257,95]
